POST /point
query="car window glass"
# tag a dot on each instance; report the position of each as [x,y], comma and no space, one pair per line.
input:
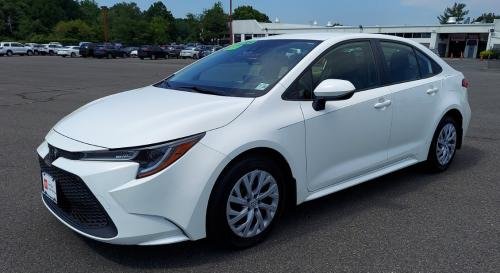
[353,62]
[400,62]
[427,66]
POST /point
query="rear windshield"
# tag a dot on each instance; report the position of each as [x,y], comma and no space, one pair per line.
[246,69]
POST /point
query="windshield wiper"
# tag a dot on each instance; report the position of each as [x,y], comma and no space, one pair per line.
[200,90]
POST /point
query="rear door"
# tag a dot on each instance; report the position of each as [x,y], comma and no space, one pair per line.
[414,82]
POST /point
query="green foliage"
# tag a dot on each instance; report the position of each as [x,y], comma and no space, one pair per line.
[248,12]
[74,29]
[457,10]
[72,21]
[487,18]
[489,54]
[214,23]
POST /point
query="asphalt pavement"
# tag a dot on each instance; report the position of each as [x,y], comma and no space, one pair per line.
[408,221]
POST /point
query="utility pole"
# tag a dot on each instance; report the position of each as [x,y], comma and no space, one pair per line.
[231,39]
[105,26]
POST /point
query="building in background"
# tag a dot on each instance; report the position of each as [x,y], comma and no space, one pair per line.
[449,40]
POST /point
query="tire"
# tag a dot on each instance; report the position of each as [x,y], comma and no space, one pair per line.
[444,145]
[51,53]
[9,53]
[72,55]
[153,57]
[218,227]
[109,56]
[29,53]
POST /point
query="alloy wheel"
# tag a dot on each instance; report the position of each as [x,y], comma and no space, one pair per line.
[446,144]
[252,203]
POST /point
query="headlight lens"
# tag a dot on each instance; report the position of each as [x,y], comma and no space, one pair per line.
[151,159]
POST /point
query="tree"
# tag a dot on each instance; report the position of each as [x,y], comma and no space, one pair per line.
[76,30]
[214,23]
[126,24]
[188,29]
[457,10]
[487,18]
[161,23]
[248,12]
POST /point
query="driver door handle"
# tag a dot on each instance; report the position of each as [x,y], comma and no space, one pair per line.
[432,91]
[382,104]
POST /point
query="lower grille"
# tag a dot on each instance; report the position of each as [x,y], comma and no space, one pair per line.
[76,204]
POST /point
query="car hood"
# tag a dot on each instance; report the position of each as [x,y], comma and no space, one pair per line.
[149,115]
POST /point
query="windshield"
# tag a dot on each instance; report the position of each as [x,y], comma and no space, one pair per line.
[246,69]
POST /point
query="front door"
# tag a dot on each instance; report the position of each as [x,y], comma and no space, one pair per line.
[349,137]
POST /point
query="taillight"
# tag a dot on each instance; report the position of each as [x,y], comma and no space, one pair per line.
[465,83]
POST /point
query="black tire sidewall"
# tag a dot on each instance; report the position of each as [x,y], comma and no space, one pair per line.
[218,229]
[432,160]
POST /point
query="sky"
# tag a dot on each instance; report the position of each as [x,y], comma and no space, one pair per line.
[346,12]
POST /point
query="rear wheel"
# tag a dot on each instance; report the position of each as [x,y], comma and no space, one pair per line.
[73,55]
[29,53]
[444,145]
[9,53]
[246,202]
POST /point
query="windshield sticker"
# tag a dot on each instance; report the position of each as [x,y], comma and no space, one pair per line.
[240,44]
[262,86]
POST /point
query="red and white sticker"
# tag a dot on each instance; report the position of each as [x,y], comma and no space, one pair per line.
[49,186]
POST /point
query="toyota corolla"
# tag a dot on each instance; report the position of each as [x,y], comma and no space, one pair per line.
[223,147]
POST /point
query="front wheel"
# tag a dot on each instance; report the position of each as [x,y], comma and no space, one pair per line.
[246,202]
[443,146]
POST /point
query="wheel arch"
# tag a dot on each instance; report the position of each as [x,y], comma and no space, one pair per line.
[275,155]
[458,117]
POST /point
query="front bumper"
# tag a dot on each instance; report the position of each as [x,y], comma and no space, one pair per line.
[167,207]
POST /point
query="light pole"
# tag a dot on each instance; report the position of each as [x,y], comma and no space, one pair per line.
[231,36]
[105,23]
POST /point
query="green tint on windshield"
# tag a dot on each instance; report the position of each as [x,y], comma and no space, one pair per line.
[246,69]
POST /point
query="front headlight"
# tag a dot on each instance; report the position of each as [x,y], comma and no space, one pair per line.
[151,159]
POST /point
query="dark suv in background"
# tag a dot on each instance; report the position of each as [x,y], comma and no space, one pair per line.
[87,50]
[109,51]
[151,51]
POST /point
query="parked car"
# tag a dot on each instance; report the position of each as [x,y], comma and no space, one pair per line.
[223,147]
[14,48]
[69,51]
[50,49]
[108,51]
[36,47]
[174,51]
[151,51]
[190,52]
[128,50]
[209,50]
[87,49]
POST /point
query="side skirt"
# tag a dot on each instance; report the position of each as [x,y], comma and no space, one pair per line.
[362,178]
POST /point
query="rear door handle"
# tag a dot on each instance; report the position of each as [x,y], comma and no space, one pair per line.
[382,104]
[432,91]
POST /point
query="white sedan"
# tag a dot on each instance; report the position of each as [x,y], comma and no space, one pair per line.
[69,51]
[221,148]
[190,52]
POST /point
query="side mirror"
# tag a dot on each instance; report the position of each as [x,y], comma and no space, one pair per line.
[332,89]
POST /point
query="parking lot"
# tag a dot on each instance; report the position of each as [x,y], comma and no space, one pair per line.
[409,221]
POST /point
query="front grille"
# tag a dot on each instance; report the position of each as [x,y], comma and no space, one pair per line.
[76,204]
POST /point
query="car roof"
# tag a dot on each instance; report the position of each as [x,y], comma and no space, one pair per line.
[324,36]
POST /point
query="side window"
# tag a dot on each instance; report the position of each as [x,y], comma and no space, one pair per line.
[353,62]
[400,62]
[428,67]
